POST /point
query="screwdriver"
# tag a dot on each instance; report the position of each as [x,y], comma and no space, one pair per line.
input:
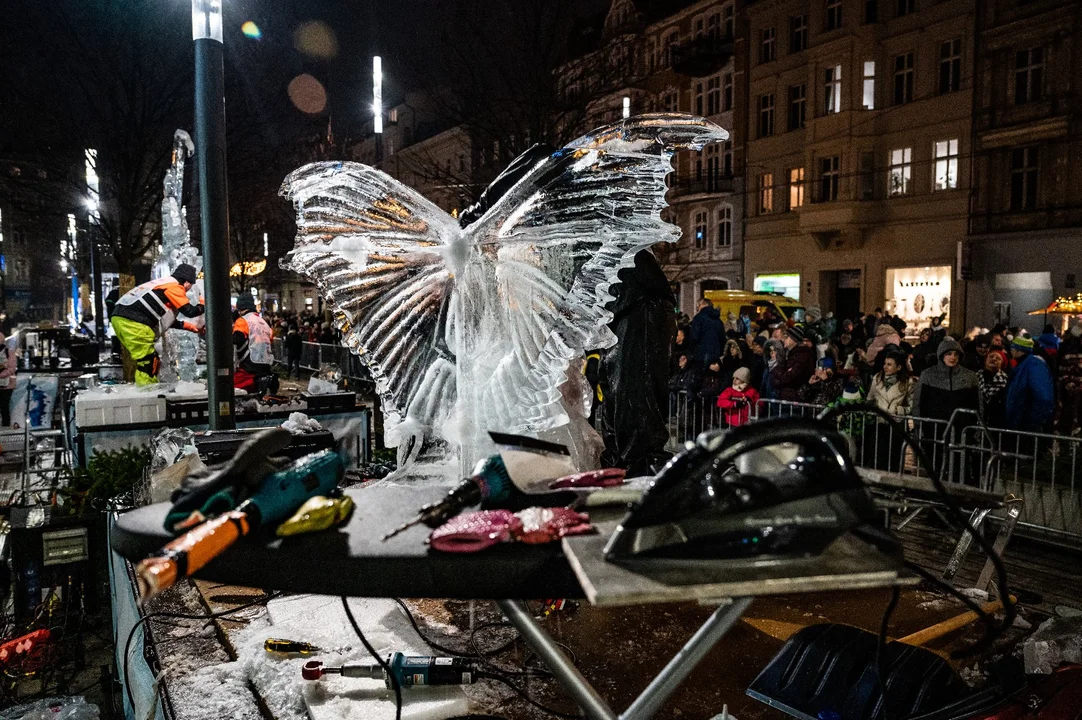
[278,645]
[489,481]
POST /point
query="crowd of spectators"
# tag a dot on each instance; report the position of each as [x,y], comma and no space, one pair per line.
[1011,379]
[295,329]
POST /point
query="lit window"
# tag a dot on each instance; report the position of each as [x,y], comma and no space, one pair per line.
[766,193]
[869,85]
[796,188]
[833,89]
[901,168]
[725,226]
[946,165]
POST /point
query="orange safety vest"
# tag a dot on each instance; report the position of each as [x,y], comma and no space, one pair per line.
[145,297]
[257,345]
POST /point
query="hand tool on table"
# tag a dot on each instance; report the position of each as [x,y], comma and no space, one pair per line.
[277,497]
[225,486]
[489,482]
[289,647]
[409,670]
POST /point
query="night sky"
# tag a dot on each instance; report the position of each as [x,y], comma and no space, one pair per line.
[331,40]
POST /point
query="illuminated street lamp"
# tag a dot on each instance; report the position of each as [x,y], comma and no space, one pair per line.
[214,206]
[377,94]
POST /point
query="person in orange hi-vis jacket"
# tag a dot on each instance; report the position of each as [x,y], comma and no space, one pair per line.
[144,313]
[252,342]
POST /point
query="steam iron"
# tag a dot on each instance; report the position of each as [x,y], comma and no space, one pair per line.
[777,488]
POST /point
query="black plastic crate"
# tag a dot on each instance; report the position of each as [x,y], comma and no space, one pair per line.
[215,446]
[331,402]
[182,413]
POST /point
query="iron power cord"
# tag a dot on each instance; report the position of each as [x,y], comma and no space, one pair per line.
[494,672]
[526,696]
[184,616]
[379,658]
[993,630]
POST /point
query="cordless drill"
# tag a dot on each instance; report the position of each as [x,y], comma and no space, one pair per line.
[489,483]
[409,670]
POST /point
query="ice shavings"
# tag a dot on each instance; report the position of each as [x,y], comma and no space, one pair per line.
[298,423]
[1056,641]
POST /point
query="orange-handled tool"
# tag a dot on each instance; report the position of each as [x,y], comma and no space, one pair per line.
[190,552]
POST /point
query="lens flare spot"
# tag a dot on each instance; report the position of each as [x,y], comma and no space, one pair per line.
[250,29]
[316,39]
[307,94]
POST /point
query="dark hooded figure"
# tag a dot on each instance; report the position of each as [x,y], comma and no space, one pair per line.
[634,374]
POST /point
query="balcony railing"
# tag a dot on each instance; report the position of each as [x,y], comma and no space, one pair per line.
[702,56]
[683,185]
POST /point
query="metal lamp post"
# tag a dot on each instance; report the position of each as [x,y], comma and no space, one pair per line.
[214,206]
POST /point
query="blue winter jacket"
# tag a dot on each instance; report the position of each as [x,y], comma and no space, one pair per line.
[1030,396]
[707,332]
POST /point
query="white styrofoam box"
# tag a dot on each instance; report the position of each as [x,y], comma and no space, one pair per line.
[94,409]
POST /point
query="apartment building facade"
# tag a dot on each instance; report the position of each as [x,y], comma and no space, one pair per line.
[1025,242]
[676,57]
[857,152]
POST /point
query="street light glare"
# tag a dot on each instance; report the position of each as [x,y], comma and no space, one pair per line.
[377,94]
[207,20]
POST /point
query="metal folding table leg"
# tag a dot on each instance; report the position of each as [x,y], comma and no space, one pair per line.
[565,671]
[660,688]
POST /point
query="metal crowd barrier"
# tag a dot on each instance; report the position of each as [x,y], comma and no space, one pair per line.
[314,355]
[1044,470]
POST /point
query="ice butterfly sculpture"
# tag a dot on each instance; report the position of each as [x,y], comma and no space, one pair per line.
[483,328]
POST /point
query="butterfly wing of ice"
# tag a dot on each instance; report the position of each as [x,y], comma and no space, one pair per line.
[557,241]
[378,251]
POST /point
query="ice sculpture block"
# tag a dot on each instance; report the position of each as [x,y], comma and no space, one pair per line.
[179,348]
[484,328]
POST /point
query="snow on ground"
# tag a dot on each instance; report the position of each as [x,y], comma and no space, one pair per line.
[320,620]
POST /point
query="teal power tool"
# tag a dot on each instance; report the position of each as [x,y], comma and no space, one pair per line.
[223,508]
[489,483]
[254,471]
[409,670]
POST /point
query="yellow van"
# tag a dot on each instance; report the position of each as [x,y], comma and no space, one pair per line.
[755,304]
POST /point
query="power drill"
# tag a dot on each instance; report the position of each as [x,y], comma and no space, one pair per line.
[489,482]
[277,497]
[409,670]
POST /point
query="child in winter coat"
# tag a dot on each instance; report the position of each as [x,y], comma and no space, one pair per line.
[736,401]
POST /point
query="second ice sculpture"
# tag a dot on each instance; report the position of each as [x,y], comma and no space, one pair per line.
[477,329]
[179,348]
